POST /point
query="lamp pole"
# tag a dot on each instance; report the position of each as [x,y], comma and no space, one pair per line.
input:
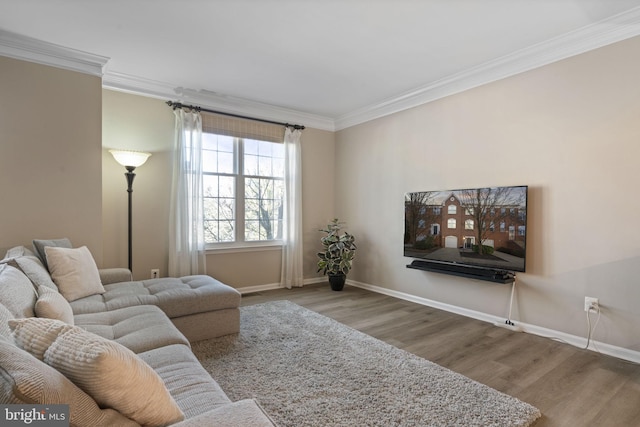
[130,175]
[130,160]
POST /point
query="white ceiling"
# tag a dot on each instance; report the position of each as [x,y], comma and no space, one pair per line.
[328,62]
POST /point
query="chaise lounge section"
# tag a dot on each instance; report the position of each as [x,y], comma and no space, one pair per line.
[150,322]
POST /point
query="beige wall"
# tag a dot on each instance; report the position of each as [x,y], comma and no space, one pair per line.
[50,168]
[142,124]
[571,131]
[146,124]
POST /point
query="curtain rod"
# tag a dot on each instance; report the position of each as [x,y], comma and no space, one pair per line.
[175,105]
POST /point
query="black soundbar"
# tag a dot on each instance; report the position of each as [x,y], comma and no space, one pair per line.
[480,273]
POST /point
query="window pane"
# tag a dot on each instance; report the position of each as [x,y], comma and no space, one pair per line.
[210,186]
[263,158]
[219,208]
[218,153]
[250,146]
[226,164]
[227,186]
[263,209]
[250,165]
[264,166]
[278,151]
[265,148]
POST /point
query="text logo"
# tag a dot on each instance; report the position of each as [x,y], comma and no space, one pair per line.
[34,415]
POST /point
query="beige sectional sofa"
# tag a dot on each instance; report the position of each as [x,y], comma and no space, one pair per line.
[119,356]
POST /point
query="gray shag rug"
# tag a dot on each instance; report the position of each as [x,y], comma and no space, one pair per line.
[306,369]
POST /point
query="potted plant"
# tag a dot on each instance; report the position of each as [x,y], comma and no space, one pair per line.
[339,249]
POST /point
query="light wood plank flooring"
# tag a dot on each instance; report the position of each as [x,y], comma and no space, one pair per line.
[570,386]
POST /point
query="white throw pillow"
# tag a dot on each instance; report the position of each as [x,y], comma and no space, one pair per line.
[107,371]
[52,305]
[36,334]
[74,272]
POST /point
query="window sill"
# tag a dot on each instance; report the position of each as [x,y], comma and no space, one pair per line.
[244,248]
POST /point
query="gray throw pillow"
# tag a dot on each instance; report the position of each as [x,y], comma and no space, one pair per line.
[40,244]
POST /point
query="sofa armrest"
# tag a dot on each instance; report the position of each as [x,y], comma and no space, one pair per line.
[115,275]
[242,413]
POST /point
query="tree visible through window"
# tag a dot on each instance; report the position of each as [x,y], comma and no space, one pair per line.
[243,189]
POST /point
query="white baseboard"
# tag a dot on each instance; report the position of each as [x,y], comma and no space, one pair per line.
[259,288]
[608,349]
[272,286]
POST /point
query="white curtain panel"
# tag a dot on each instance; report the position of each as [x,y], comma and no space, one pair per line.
[186,229]
[292,250]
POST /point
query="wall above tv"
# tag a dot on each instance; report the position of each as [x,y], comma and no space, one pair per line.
[469,232]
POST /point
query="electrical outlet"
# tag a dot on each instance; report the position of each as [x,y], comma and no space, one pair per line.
[591,304]
[155,273]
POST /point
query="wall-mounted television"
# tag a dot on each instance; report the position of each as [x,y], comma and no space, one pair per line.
[484,229]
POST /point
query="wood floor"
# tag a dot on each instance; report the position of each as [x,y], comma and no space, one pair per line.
[570,386]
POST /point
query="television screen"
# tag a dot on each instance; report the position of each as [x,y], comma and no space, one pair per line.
[479,227]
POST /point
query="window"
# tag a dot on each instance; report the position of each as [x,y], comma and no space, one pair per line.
[452,210]
[502,226]
[468,211]
[468,224]
[421,223]
[492,226]
[243,165]
[521,230]
[243,189]
[436,211]
[451,223]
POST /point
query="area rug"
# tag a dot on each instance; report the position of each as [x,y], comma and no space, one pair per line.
[306,369]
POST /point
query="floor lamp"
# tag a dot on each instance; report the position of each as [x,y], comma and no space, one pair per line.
[130,160]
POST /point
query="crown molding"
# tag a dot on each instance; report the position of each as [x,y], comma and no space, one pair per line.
[213,100]
[29,49]
[602,33]
[617,28]
[137,85]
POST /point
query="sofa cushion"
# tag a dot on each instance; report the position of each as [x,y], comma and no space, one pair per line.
[188,382]
[40,244]
[74,272]
[33,268]
[242,413]
[18,251]
[109,372]
[52,305]
[138,328]
[26,380]
[175,296]
[17,293]
[115,275]
[5,316]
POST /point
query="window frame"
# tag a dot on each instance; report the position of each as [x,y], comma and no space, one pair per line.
[240,244]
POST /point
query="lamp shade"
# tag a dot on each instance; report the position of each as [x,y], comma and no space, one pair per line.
[130,158]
